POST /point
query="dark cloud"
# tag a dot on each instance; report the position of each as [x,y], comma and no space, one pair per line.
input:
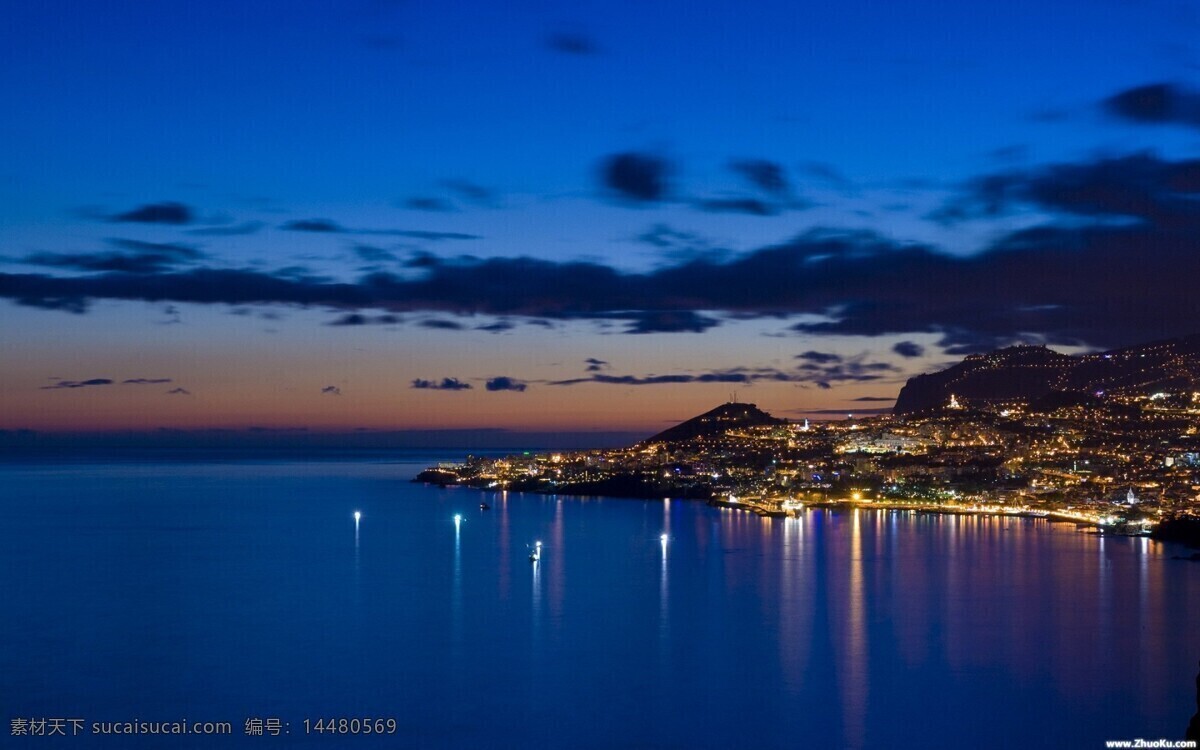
[350,319]
[201,285]
[1109,271]
[1138,186]
[419,234]
[498,327]
[123,262]
[572,44]
[821,358]
[751,206]
[313,225]
[179,392]
[145,381]
[327,226]
[908,349]
[441,324]
[136,256]
[358,319]
[826,372]
[670,321]
[428,203]
[765,175]
[636,177]
[874,398]
[710,377]
[961,342]
[233,230]
[331,390]
[858,370]
[167,212]
[505,383]
[855,371]
[76,384]
[595,365]
[446,384]
[1156,104]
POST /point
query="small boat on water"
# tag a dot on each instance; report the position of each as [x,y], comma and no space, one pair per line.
[484,506]
[537,552]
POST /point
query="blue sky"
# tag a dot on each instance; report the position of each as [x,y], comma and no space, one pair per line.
[639,139]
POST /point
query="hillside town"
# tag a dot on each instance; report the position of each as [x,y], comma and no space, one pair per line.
[1123,459]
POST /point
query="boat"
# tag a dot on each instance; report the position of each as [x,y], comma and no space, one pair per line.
[537,553]
[484,506]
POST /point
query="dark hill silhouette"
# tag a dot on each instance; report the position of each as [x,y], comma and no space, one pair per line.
[725,417]
[1035,373]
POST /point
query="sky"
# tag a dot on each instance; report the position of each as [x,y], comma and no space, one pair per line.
[390,217]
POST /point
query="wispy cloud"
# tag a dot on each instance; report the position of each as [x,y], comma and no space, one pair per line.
[327,226]
[66,384]
[166,212]
[445,384]
[765,175]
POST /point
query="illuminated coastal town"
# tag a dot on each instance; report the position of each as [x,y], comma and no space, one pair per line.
[1110,441]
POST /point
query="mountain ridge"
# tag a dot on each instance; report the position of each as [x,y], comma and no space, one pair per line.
[731,414]
[1029,373]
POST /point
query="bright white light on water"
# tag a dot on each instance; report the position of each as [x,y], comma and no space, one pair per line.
[663,539]
[458,518]
[357,516]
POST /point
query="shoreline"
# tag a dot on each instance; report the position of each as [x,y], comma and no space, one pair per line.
[762,510]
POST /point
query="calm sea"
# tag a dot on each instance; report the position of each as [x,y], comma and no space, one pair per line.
[239,590]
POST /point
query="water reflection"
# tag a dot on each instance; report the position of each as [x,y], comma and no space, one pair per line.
[357,564]
[795,610]
[854,677]
[504,560]
[664,611]
[357,518]
[557,574]
[1103,595]
[456,603]
[536,597]
[830,630]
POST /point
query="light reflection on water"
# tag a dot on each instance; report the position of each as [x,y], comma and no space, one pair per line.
[224,592]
